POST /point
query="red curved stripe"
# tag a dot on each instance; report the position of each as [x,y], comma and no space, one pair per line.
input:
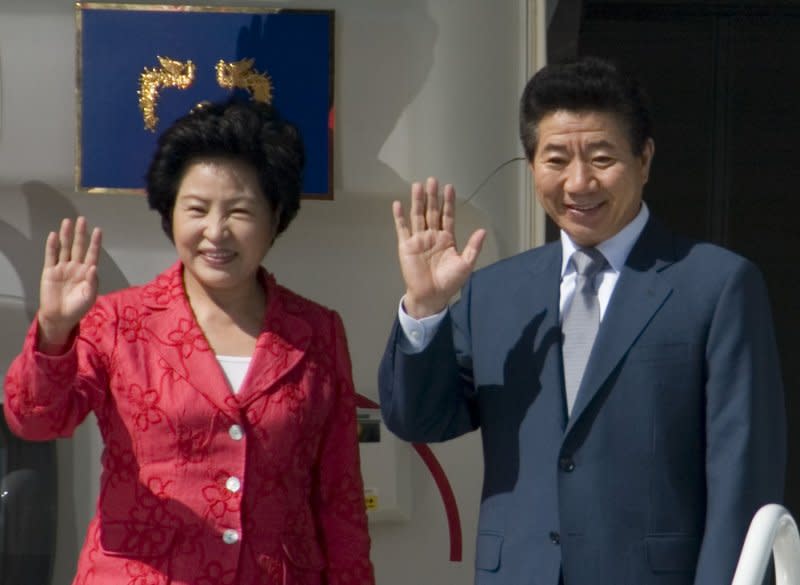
[449,499]
[440,477]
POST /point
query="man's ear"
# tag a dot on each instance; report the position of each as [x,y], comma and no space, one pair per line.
[530,168]
[648,151]
[536,191]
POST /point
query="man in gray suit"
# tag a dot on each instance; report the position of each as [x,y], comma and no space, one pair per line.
[625,379]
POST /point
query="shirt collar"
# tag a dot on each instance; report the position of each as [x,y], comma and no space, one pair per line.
[615,249]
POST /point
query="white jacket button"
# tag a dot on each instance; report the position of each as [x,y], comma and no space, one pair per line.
[233,484]
[230,536]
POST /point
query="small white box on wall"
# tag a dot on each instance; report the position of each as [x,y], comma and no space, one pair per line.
[386,469]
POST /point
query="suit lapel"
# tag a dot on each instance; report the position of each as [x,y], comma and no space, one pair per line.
[552,374]
[640,292]
[535,303]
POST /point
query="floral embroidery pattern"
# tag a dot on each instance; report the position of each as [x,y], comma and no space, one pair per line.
[142,574]
[119,462]
[154,508]
[191,444]
[92,325]
[130,325]
[144,540]
[188,337]
[215,574]
[173,432]
[273,568]
[290,396]
[165,289]
[88,578]
[146,410]
[58,372]
[19,399]
[221,500]
[169,374]
[189,542]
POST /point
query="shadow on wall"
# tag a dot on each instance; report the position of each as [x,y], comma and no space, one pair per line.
[382,64]
[46,207]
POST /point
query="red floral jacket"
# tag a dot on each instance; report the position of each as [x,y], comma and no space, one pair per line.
[200,486]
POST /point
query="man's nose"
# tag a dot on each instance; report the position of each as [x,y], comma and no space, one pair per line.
[579,177]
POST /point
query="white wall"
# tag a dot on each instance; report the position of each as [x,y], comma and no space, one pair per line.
[422,87]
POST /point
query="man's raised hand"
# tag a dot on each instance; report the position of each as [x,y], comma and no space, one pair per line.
[432,267]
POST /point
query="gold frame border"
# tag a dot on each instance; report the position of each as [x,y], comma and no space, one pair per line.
[81,6]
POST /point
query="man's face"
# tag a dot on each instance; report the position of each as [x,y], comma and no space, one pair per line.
[587,177]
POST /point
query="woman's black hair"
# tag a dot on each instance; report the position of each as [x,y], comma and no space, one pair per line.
[247,131]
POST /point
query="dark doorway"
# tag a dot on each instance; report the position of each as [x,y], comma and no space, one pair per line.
[725,81]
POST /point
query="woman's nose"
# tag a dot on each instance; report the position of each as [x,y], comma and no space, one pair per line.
[216,228]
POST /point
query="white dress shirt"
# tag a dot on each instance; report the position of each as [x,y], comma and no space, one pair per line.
[419,332]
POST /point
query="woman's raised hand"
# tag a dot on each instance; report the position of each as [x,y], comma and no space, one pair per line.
[69,281]
[432,267]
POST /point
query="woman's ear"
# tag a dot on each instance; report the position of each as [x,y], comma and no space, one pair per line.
[277,212]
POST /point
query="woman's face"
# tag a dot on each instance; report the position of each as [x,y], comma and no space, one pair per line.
[222,225]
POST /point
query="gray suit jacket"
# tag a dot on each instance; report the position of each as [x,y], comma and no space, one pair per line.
[677,435]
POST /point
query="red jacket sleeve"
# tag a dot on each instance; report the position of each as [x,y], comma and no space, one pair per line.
[46,396]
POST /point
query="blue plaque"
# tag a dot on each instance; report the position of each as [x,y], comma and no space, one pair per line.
[140,67]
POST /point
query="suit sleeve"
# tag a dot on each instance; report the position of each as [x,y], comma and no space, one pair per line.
[745,418]
[47,397]
[429,396]
[341,507]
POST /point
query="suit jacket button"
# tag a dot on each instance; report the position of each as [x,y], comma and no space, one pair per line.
[555,537]
[566,464]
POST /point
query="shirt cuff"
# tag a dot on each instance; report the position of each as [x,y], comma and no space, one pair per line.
[417,332]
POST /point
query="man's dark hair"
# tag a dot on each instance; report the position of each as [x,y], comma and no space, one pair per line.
[246,131]
[589,84]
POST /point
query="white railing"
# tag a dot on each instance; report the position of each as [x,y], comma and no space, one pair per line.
[773,532]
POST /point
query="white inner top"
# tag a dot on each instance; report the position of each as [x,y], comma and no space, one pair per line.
[235,369]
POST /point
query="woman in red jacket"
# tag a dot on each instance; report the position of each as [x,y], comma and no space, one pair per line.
[225,401]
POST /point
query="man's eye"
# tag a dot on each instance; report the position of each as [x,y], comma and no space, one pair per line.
[603,161]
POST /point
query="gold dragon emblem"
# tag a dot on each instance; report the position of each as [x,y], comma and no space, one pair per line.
[181,75]
[172,73]
[242,75]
